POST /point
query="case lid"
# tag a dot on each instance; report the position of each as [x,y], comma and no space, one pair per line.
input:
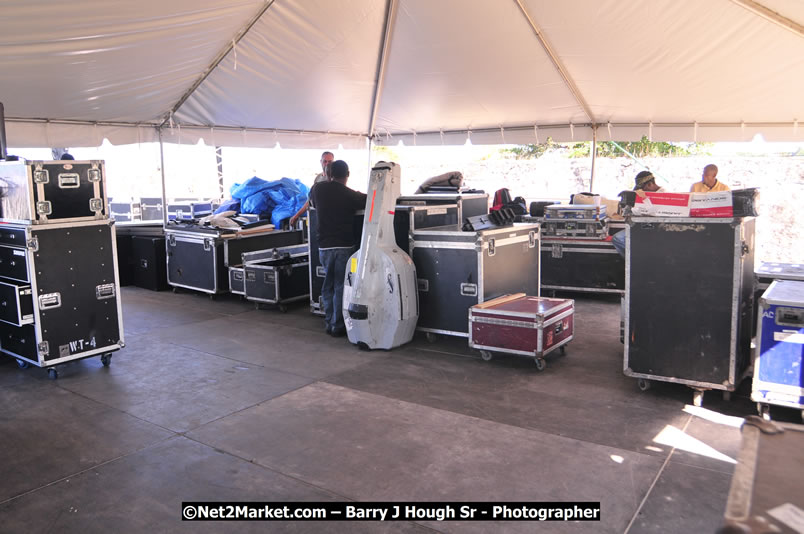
[781,271]
[789,292]
[521,304]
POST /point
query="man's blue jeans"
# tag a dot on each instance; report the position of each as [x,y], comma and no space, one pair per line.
[334,261]
[618,240]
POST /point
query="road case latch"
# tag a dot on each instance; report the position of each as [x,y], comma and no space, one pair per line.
[44,207]
[96,204]
[492,249]
[49,301]
[69,180]
[105,291]
[423,284]
[41,176]
[558,251]
[531,239]
[207,244]
[468,290]
[43,348]
[33,244]
[94,175]
[171,240]
[745,249]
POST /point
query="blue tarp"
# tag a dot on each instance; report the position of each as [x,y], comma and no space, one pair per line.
[279,199]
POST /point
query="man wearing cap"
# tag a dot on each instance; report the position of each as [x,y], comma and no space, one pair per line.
[709,182]
[644,182]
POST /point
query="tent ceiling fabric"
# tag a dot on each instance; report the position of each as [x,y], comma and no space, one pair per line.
[304,74]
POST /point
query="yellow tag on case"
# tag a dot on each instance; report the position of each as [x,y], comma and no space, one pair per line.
[354,265]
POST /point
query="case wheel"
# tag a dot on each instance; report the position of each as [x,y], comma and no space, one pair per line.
[282,308]
[22,364]
[486,355]
[212,296]
[432,337]
[106,359]
[643,384]
[541,364]
[764,411]
[52,373]
[562,350]
[256,305]
[727,396]
[697,397]
[175,289]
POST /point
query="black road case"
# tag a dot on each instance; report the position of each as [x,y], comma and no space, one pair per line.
[689,288]
[592,266]
[40,192]
[276,276]
[198,257]
[457,270]
[469,204]
[189,210]
[148,262]
[69,273]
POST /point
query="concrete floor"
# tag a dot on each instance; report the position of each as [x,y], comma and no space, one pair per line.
[214,400]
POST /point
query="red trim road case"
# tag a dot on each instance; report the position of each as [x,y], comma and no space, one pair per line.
[519,324]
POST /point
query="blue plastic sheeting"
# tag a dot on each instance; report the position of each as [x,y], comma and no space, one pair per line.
[279,199]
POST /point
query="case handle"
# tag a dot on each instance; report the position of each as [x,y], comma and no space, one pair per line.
[69,180]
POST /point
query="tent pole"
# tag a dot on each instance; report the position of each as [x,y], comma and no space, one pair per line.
[594,154]
[162,166]
[771,16]
[382,60]
[369,160]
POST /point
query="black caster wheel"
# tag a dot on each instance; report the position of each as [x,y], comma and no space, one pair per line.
[431,337]
[697,397]
[52,373]
[175,290]
[486,355]
[362,346]
[643,384]
[727,396]
[106,359]
[541,364]
[563,350]
[22,364]
[282,308]
[211,296]
[764,411]
[256,305]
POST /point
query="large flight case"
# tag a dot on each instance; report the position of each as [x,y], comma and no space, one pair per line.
[468,204]
[198,256]
[43,192]
[584,265]
[779,356]
[276,276]
[61,288]
[689,287]
[457,270]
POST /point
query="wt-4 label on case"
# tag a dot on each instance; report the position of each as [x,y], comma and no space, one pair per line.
[77,346]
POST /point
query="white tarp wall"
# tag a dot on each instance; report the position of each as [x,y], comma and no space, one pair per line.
[319,73]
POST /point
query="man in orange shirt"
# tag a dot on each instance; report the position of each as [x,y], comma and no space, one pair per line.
[709,182]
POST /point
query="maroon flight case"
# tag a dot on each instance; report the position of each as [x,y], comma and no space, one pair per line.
[519,324]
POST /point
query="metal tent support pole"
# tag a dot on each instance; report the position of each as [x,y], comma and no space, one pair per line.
[219,161]
[162,166]
[594,157]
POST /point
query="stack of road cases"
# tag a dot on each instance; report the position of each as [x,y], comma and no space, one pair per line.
[779,356]
[58,265]
[198,257]
[521,324]
[457,270]
[577,221]
[276,276]
[125,211]
[688,301]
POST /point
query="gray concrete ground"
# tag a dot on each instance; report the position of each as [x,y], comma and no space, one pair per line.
[214,400]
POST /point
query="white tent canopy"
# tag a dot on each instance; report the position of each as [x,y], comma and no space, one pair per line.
[319,73]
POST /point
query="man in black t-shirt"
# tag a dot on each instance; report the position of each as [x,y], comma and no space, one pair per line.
[335,206]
